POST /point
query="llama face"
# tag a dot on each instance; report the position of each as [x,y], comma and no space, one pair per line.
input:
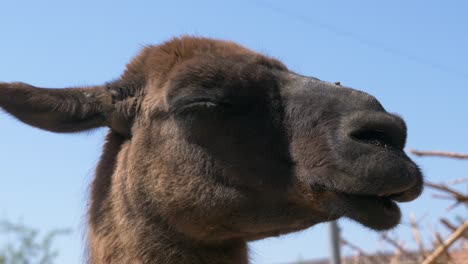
[220,143]
[242,149]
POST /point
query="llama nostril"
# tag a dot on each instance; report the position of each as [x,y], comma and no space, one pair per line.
[374,137]
[376,128]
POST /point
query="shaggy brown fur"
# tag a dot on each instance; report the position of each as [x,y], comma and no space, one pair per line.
[212,145]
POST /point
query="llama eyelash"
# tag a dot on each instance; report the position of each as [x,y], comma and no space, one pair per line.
[202,104]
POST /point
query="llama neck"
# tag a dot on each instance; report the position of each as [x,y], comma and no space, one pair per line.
[117,236]
[123,240]
[166,246]
[156,243]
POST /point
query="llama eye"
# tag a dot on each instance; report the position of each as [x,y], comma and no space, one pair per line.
[204,104]
[197,106]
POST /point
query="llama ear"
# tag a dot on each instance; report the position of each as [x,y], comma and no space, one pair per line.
[62,110]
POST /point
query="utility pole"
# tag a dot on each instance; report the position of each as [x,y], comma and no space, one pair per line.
[334,237]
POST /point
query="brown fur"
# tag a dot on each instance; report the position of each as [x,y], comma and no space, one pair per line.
[213,145]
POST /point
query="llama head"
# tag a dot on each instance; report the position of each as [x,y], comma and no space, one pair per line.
[222,143]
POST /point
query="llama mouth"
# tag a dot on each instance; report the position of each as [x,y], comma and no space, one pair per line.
[371,201]
[374,211]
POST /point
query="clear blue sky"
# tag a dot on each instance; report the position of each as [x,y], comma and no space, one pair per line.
[412,55]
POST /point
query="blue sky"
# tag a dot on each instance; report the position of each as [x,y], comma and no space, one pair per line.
[412,55]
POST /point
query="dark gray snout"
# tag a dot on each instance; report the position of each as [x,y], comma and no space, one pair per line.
[343,141]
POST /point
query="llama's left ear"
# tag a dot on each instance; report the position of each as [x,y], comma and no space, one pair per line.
[61,110]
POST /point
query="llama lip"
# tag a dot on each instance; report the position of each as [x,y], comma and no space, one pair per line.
[398,197]
[376,211]
[379,213]
[373,201]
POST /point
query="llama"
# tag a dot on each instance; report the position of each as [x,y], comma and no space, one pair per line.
[212,145]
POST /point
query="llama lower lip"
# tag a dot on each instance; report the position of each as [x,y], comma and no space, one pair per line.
[379,213]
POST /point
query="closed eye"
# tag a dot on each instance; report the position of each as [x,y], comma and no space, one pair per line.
[199,105]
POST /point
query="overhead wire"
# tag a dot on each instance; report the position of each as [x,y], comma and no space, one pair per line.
[359,38]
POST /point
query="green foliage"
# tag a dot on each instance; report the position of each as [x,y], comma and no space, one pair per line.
[24,245]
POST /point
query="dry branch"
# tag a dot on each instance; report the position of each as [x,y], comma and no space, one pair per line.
[394,243]
[451,227]
[439,154]
[345,242]
[362,256]
[440,243]
[442,248]
[459,198]
[457,181]
[417,236]
[447,224]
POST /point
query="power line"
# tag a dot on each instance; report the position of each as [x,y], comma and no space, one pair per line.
[361,39]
